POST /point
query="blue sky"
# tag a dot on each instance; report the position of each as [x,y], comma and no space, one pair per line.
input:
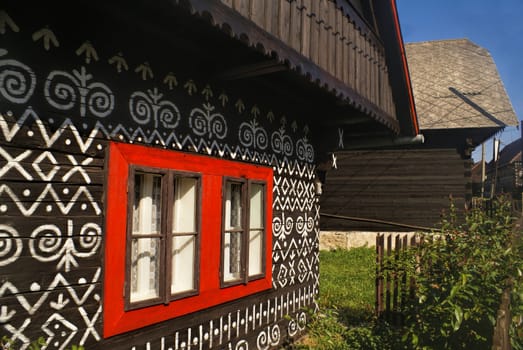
[495,25]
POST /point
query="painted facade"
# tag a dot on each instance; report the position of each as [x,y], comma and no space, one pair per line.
[63,100]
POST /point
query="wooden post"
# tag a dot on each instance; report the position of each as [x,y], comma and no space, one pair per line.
[380,243]
[482,169]
[388,279]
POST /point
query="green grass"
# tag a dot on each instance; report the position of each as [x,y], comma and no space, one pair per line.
[346,301]
[347,279]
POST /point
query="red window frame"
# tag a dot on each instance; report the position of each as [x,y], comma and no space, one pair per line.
[211,293]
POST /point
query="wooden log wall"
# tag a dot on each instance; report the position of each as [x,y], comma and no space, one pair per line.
[405,186]
[332,35]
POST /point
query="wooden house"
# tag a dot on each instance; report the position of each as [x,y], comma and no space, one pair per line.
[460,102]
[158,186]
[506,172]
[478,175]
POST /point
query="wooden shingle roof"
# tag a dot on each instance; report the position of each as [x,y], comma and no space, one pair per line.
[456,85]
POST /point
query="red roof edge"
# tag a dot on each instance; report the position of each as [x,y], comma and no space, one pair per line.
[397,26]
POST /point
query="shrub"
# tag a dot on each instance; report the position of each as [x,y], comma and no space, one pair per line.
[460,273]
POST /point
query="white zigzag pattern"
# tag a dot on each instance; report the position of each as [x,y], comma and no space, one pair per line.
[293,167]
[49,139]
[65,208]
[293,204]
[201,145]
[59,279]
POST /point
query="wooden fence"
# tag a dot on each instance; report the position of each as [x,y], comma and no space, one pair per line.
[392,286]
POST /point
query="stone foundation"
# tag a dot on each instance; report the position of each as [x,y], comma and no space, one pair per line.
[331,240]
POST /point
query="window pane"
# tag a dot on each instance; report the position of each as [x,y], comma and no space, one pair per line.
[233,206]
[256,206]
[256,217]
[255,252]
[232,256]
[147,204]
[145,269]
[185,204]
[183,261]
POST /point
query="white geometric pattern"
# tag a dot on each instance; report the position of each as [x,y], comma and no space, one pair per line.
[59,331]
[50,193]
[59,281]
[228,330]
[48,156]
[50,138]
[14,163]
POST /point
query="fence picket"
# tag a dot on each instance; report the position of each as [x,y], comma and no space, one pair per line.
[393,287]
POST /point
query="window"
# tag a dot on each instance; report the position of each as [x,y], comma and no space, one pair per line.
[162,236]
[243,231]
[184,232]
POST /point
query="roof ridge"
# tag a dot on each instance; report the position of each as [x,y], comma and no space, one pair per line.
[439,40]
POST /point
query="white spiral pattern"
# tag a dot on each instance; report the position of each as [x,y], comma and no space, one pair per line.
[17,81]
[218,127]
[268,338]
[100,100]
[304,225]
[282,226]
[297,325]
[242,345]
[10,245]
[46,243]
[252,135]
[49,243]
[140,108]
[63,91]
[305,151]
[168,114]
[205,123]
[281,143]
[90,239]
[60,94]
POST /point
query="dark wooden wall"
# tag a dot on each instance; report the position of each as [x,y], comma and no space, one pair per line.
[406,186]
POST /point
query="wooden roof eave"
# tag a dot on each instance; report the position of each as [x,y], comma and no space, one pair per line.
[240,28]
[399,74]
